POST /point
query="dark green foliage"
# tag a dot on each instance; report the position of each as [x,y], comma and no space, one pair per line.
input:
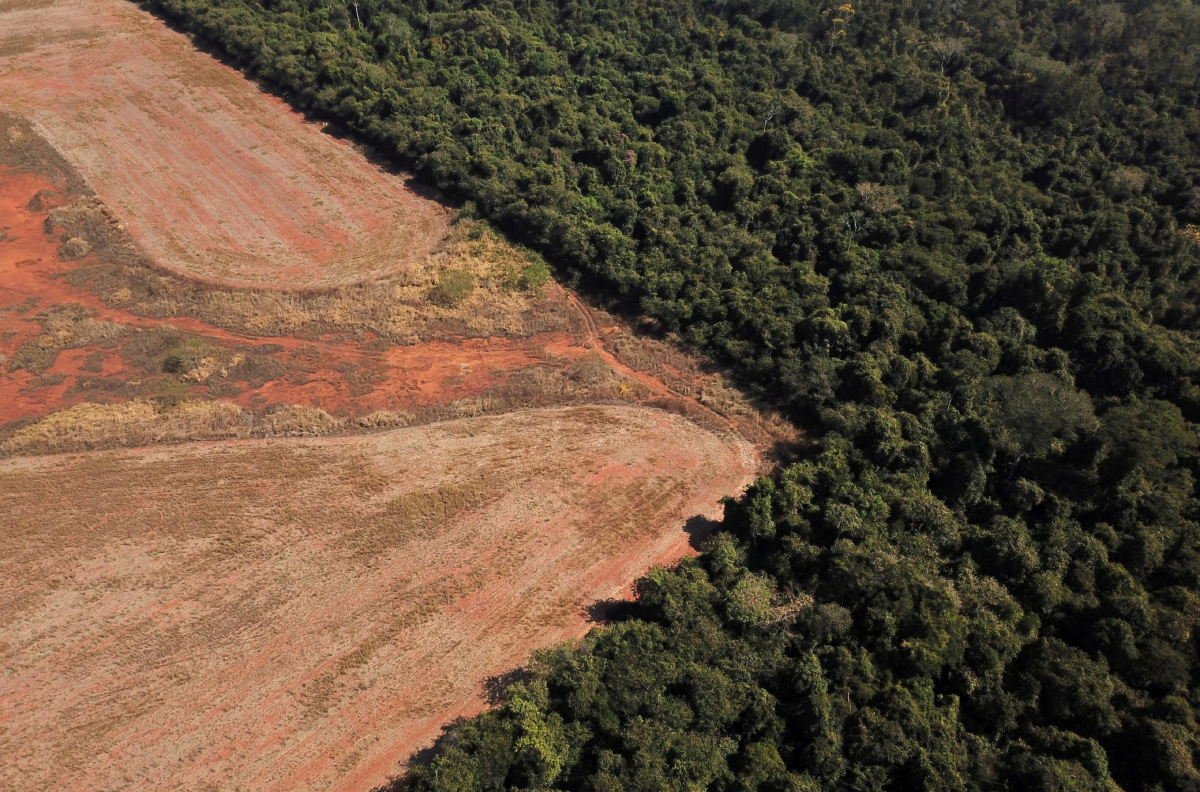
[453,287]
[958,241]
[175,364]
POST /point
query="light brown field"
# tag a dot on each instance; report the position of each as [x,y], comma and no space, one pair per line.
[214,179]
[289,614]
[303,614]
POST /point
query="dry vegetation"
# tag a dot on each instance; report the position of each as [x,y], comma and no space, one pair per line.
[498,291]
[65,326]
[302,614]
[140,422]
[91,426]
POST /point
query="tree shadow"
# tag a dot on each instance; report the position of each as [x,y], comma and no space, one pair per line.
[699,528]
[610,610]
[447,738]
[494,687]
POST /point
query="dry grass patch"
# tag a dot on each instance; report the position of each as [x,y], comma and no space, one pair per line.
[92,426]
[384,419]
[475,286]
[297,420]
[409,513]
[66,326]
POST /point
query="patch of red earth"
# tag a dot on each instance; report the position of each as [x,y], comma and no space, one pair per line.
[412,377]
[318,373]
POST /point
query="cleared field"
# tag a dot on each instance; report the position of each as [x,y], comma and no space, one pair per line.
[303,614]
[214,179]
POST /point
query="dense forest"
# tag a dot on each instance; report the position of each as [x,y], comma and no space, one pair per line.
[960,241]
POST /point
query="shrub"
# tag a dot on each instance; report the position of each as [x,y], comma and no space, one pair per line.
[453,288]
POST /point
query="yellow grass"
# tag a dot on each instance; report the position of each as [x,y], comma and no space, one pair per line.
[137,423]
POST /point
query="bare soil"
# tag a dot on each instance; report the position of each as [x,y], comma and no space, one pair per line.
[215,179]
[305,613]
[305,603]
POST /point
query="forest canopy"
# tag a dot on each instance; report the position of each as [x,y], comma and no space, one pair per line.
[960,242]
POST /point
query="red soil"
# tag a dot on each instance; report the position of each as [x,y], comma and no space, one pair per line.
[337,603]
[213,178]
[315,373]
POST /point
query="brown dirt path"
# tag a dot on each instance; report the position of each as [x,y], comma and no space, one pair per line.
[656,388]
[303,614]
[215,179]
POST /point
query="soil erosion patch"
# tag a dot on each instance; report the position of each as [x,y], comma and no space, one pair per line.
[214,179]
[298,614]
